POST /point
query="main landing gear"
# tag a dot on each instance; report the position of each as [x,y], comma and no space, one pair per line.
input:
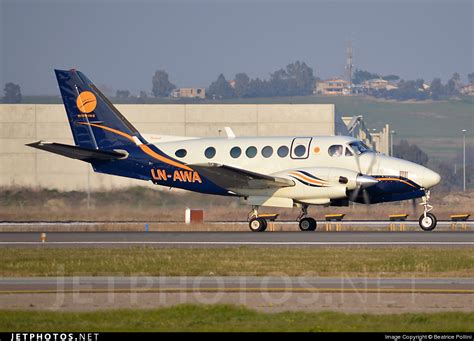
[427,220]
[259,224]
[306,223]
[256,223]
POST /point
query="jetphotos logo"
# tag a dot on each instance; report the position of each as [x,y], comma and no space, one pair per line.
[86,103]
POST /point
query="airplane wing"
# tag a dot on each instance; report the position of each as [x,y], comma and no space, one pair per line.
[237,178]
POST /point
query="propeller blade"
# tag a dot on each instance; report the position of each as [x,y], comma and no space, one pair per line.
[413,205]
[358,162]
[355,194]
[366,197]
[372,163]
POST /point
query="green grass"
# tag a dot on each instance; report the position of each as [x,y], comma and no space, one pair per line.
[428,262]
[230,318]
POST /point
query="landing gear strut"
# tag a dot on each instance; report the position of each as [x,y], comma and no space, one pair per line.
[256,224]
[306,223]
[427,220]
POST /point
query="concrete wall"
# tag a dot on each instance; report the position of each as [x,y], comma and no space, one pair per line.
[25,123]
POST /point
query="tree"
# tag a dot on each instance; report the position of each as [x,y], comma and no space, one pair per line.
[220,89]
[12,93]
[454,85]
[437,89]
[162,87]
[410,152]
[303,76]
[142,97]
[391,78]
[470,77]
[242,82]
[361,75]
[122,94]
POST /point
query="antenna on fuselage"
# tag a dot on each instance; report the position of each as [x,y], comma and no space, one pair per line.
[229,132]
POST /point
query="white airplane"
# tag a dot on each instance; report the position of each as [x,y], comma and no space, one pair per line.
[262,171]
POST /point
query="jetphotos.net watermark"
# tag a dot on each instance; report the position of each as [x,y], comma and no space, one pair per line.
[54,337]
[273,290]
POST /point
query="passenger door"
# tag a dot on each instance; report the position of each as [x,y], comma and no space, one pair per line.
[300,147]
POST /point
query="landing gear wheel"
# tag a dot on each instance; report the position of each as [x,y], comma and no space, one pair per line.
[257,224]
[307,224]
[428,223]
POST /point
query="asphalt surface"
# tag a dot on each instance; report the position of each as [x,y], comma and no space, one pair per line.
[215,239]
[355,223]
[234,284]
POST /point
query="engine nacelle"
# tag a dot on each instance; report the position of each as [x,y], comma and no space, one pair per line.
[327,183]
[324,176]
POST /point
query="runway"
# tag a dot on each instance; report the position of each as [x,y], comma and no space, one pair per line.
[235,284]
[227,239]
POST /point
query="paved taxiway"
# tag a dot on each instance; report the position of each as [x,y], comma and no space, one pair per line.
[213,239]
[235,284]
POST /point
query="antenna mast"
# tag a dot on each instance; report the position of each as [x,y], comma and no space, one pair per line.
[349,64]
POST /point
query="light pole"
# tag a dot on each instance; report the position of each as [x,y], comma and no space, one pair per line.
[391,142]
[464,159]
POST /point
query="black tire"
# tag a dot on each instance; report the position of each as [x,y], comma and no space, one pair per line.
[257,224]
[429,223]
[307,224]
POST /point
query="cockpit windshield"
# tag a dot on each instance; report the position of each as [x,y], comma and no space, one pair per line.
[359,147]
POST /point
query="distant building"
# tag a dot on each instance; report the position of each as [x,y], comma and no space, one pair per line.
[189,93]
[468,89]
[334,86]
[378,84]
[232,83]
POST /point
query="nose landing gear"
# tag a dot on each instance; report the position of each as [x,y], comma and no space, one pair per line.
[427,220]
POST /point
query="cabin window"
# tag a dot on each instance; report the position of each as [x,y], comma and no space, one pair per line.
[181,153]
[251,152]
[300,150]
[283,151]
[267,151]
[235,152]
[210,152]
[335,150]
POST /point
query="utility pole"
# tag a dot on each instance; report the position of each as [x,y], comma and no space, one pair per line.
[464,159]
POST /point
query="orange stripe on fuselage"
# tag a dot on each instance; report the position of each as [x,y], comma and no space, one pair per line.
[150,152]
[396,179]
[143,147]
[307,179]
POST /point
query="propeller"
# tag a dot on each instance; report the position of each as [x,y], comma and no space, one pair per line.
[364,181]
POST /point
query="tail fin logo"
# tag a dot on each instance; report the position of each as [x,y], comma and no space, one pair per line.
[86,102]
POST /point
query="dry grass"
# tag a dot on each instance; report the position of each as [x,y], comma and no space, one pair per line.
[142,204]
[243,261]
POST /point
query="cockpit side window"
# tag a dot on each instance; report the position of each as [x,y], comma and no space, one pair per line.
[349,152]
[359,147]
[335,150]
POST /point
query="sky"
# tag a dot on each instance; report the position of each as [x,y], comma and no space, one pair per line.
[120,44]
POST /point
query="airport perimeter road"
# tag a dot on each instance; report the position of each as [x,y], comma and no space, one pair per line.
[235,284]
[216,239]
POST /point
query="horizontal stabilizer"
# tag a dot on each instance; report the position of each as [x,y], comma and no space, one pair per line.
[75,152]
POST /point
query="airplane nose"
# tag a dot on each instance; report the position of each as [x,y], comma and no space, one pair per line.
[430,178]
